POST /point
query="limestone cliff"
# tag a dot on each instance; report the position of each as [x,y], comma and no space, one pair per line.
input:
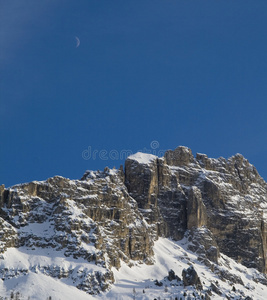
[228,197]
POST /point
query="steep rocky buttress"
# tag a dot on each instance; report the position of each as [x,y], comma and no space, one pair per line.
[178,192]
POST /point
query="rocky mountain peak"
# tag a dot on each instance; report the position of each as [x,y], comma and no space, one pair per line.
[181,156]
[114,216]
[180,192]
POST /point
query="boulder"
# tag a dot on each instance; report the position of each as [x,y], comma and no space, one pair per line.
[190,277]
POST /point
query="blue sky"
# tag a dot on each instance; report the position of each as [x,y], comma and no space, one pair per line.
[190,73]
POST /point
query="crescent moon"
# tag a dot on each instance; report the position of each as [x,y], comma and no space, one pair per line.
[77,42]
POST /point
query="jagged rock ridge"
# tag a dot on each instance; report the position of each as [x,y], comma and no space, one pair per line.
[115,215]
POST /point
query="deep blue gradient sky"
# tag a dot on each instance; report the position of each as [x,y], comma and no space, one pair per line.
[181,72]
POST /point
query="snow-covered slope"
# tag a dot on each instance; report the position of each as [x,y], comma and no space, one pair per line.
[173,255]
[41,273]
[136,281]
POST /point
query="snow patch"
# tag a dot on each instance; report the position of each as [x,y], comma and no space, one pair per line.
[143,158]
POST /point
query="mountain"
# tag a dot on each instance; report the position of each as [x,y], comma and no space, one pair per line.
[176,226]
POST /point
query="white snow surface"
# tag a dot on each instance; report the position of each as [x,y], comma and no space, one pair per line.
[172,255]
[140,277]
[36,284]
[143,158]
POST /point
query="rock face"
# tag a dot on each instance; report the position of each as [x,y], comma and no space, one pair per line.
[172,276]
[226,198]
[190,277]
[107,217]
[94,219]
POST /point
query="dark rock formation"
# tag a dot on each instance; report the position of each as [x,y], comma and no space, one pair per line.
[202,242]
[158,283]
[215,289]
[172,276]
[190,277]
